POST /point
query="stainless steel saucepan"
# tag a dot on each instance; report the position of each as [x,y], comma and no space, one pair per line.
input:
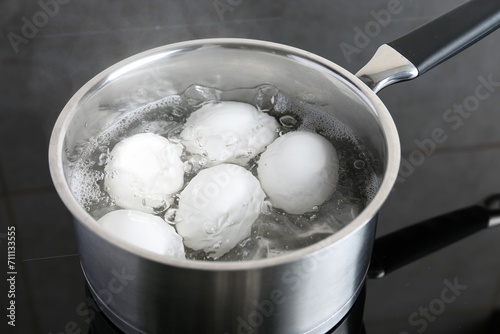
[307,290]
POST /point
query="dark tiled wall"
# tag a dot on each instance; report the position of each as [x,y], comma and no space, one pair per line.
[82,38]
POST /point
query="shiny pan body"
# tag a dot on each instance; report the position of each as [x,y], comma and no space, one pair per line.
[304,291]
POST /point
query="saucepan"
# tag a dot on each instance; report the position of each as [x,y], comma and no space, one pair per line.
[304,291]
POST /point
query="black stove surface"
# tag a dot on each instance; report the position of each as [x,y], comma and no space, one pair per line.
[50,48]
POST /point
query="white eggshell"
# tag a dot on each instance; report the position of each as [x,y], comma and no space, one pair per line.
[144,230]
[298,171]
[143,172]
[218,207]
[232,132]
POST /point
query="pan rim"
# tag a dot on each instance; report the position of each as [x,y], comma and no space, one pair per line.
[369,212]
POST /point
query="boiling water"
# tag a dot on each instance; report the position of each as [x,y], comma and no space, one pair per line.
[275,232]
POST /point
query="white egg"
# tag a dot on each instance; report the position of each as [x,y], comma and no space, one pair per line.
[218,207]
[298,171]
[144,230]
[143,172]
[233,132]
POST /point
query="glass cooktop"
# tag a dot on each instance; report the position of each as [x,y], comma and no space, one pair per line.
[51,48]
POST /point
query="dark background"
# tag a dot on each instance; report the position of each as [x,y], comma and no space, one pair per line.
[84,37]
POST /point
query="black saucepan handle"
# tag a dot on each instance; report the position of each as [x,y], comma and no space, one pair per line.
[449,34]
[404,246]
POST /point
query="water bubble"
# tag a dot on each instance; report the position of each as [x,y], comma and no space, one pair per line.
[244,242]
[252,167]
[178,111]
[197,95]
[194,162]
[359,164]
[265,97]
[170,216]
[288,121]
[103,159]
[268,90]
[174,133]
[104,149]
[188,167]
[155,202]
[266,208]
[160,209]
[176,197]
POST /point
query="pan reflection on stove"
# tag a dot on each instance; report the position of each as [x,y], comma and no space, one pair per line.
[352,323]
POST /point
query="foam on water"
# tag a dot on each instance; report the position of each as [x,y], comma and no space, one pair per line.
[84,185]
[85,182]
[372,186]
